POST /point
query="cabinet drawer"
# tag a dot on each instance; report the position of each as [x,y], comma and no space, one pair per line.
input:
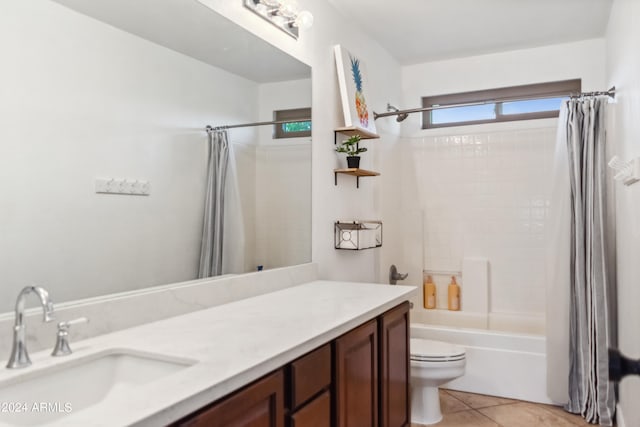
[309,375]
[315,414]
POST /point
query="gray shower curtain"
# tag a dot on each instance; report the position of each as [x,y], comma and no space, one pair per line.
[590,392]
[213,226]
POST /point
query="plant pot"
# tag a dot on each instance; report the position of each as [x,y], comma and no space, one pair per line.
[353,161]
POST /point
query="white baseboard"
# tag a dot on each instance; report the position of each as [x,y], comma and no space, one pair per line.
[619,417]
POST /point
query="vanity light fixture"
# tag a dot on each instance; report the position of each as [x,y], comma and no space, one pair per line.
[284,14]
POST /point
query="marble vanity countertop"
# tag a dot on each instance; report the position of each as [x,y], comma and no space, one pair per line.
[231,344]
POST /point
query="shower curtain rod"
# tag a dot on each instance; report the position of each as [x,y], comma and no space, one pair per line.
[244,125]
[611,92]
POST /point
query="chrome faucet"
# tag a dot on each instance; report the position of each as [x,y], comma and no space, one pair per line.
[19,356]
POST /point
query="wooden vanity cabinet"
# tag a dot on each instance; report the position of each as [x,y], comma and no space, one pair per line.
[360,379]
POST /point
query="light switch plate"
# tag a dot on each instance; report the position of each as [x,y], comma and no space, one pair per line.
[125,186]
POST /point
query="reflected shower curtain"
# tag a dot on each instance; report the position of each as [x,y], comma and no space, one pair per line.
[590,326]
[233,247]
[213,227]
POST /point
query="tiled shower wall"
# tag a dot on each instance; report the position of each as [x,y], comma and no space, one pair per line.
[283,204]
[485,194]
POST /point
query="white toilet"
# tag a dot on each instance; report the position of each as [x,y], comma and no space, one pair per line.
[433,363]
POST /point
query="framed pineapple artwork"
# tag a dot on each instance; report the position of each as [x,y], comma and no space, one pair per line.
[352,79]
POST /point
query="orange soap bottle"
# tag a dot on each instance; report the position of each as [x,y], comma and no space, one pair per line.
[454,295]
[429,289]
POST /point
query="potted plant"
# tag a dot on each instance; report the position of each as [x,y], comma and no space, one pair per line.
[350,147]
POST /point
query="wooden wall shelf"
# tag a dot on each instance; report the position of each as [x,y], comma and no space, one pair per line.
[354,172]
[351,131]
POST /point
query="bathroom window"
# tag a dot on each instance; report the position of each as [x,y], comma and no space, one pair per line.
[506,104]
[292,129]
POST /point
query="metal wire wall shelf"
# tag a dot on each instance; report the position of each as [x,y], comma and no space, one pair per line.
[357,235]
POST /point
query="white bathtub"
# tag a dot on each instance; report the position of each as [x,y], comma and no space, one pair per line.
[502,364]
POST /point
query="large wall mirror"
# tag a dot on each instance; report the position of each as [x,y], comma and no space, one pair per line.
[118,89]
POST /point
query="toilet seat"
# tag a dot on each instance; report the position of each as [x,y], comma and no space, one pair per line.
[435,351]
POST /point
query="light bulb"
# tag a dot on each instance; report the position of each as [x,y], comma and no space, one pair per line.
[288,8]
[304,21]
[279,20]
[262,8]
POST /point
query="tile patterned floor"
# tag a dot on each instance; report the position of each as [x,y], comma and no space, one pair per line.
[476,410]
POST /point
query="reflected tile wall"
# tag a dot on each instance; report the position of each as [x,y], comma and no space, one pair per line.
[488,194]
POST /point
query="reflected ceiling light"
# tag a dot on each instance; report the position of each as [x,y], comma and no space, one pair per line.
[284,14]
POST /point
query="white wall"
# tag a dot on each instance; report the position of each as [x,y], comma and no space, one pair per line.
[81,100]
[343,201]
[623,69]
[283,181]
[477,188]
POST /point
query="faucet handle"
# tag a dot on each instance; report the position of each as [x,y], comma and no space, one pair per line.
[62,341]
[65,325]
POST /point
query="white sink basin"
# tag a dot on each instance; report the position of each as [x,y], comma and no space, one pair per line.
[47,395]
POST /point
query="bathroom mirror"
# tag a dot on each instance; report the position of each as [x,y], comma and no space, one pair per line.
[120,92]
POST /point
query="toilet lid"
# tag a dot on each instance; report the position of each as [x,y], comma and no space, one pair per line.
[435,351]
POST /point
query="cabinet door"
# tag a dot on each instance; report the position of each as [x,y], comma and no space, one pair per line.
[258,405]
[394,367]
[356,377]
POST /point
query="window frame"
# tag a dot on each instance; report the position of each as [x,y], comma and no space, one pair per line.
[290,114]
[499,96]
